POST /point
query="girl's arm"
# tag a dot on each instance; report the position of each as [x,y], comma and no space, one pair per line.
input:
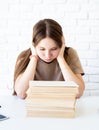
[22,81]
[68,73]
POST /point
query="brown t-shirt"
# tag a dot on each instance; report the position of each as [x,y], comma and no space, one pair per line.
[51,71]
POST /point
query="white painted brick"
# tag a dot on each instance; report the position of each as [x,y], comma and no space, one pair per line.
[90,7]
[67,23]
[76,15]
[94,93]
[12,1]
[98,54]
[89,22]
[55,1]
[91,70]
[68,8]
[92,86]
[3,39]
[77,30]
[94,78]
[93,62]
[78,2]
[95,30]
[88,54]
[3,24]
[94,46]
[3,15]
[81,46]
[83,62]
[3,6]
[50,14]
[86,93]
[94,5]
[84,30]
[96,2]
[31,1]
[49,11]
[86,78]
[18,8]
[94,15]
[6,91]
[3,56]
[87,38]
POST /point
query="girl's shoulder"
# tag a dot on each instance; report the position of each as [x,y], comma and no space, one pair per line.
[70,49]
[70,53]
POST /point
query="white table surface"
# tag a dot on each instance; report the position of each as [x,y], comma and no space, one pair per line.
[87,116]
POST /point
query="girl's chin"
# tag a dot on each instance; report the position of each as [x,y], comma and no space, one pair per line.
[48,61]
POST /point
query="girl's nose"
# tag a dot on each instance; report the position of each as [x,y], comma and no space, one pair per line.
[47,54]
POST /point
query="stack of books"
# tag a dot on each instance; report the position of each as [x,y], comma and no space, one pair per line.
[51,99]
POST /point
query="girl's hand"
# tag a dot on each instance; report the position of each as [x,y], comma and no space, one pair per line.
[61,53]
[33,50]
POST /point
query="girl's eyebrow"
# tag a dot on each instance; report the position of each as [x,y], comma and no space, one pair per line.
[41,47]
[55,47]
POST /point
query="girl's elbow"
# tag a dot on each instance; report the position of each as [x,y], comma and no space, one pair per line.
[20,91]
[20,94]
[81,91]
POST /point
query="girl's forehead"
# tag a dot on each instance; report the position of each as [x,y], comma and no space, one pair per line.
[47,42]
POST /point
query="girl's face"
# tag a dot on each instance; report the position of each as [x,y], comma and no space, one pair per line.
[47,49]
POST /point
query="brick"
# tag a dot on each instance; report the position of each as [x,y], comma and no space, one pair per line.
[94,78]
[54,1]
[94,46]
[91,70]
[92,86]
[94,15]
[31,2]
[94,93]
[88,54]
[93,62]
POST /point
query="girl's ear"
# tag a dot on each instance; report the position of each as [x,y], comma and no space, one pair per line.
[33,43]
[33,50]
[63,39]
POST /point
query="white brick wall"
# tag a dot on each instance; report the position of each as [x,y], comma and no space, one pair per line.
[80,22]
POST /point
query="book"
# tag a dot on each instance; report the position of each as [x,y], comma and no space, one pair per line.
[45,102]
[36,83]
[51,99]
[53,114]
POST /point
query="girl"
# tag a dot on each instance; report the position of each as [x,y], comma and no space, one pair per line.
[47,59]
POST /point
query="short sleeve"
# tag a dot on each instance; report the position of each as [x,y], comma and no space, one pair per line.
[74,62]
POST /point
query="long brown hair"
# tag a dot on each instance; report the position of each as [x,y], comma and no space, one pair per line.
[42,29]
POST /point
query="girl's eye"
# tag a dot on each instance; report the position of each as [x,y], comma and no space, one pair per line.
[42,49]
[54,49]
